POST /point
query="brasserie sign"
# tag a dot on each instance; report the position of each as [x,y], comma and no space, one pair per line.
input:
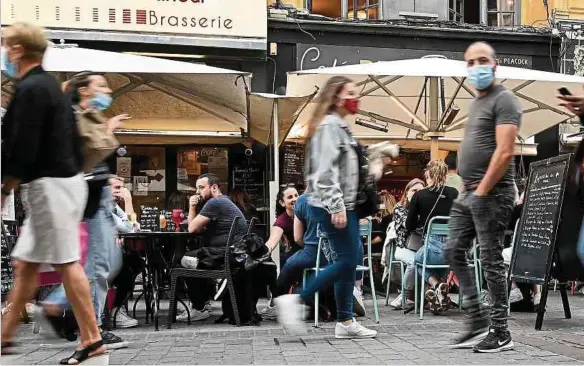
[235,18]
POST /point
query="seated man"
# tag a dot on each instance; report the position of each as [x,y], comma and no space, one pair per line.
[215,219]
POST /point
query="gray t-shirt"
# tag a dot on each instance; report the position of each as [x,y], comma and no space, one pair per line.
[221,211]
[498,107]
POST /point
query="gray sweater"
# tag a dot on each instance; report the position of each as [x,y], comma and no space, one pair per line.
[332,167]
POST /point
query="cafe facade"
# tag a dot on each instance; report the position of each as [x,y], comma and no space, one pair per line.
[159,156]
[297,44]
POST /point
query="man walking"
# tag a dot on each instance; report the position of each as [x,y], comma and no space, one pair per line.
[485,163]
[41,152]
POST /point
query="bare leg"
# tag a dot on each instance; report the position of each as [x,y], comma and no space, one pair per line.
[25,284]
[77,290]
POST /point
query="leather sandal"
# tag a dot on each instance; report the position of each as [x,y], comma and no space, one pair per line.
[82,355]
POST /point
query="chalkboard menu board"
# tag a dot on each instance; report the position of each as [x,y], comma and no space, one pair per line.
[249,176]
[536,235]
[8,242]
[292,164]
[149,218]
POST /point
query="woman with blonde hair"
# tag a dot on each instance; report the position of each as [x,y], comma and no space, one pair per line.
[332,174]
[402,253]
[435,200]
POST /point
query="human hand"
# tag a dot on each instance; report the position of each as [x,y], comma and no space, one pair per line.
[573,102]
[116,122]
[339,220]
[194,200]
[124,194]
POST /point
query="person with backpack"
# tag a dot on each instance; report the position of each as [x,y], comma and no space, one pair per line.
[41,153]
[91,95]
[333,177]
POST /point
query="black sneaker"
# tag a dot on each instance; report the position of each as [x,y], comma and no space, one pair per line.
[112,341]
[470,338]
[496,341]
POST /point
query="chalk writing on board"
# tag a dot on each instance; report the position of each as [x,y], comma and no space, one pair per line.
[149,218]
[542,202]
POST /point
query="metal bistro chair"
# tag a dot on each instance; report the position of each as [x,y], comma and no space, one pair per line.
[321,238]
[391,261]
[364,231]
[224,273]
[435,228]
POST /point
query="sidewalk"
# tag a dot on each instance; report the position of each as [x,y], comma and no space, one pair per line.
[402,339]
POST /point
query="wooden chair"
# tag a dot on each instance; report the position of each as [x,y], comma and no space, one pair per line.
[224,273]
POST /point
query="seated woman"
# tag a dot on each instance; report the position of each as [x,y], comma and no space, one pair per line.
[402,253]
[434,200]
[283,229]
[305,235]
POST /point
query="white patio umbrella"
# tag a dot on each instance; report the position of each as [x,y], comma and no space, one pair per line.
[164,97]
[428,99]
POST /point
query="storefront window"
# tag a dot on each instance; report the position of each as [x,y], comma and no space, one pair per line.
[192,162]
[143,170]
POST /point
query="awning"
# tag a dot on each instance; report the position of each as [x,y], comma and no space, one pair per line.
[152,89]
[407,97]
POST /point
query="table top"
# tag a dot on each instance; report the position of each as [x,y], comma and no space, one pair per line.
[145,234]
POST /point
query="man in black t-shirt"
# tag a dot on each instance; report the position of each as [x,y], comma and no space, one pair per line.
[215,219]
[42,156]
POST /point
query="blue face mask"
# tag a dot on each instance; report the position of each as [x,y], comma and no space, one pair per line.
[101,101]
[10,68]
[481,76]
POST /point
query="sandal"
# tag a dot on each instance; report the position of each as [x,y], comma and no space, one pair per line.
[82,355]
[7,348]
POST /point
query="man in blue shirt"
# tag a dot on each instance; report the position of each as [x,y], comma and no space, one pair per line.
[305,235]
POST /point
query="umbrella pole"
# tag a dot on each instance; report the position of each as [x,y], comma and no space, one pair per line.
[434,148]
[434,120]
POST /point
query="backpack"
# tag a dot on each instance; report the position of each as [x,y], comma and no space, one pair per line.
[367,200]
[96,142]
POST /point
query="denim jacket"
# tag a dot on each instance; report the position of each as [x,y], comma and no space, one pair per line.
[332,167]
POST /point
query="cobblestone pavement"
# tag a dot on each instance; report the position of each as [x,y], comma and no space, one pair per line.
[402,339]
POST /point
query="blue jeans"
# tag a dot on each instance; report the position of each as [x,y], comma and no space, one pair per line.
[104,258]
[345,243]
[580,248]
[435,256]
[295,266]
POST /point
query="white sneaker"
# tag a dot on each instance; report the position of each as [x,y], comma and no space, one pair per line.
[196,315]
[354,330]
[123,320]
[515,295]
[269,313]
[358,304]
[536,299]
[397,302]
[189,262]
[289,310]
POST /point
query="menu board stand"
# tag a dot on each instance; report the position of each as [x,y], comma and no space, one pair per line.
[537,251]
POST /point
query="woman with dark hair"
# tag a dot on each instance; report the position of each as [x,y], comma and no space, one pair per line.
[332,175]
[283,229]
[243,202]
[91,95]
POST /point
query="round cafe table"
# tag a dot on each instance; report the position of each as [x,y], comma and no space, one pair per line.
[157,267]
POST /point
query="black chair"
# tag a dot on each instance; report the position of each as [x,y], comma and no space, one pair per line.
[224,273]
